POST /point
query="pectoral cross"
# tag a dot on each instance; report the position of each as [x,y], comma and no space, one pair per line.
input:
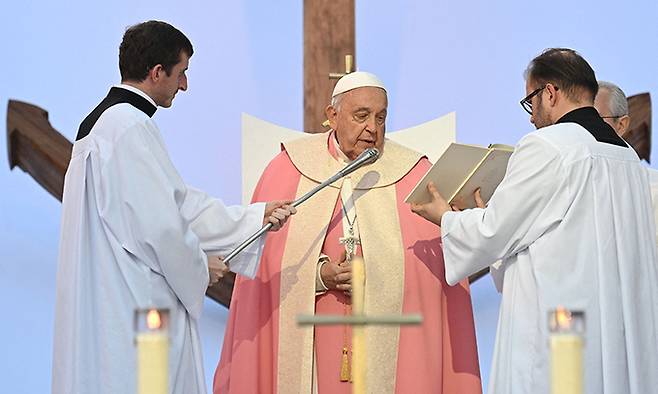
[350,242]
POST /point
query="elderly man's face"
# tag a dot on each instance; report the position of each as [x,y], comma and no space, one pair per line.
[359,120]
[602,105]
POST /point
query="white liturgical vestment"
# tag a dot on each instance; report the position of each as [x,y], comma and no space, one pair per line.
[133,235]
[573,224]
[653,182]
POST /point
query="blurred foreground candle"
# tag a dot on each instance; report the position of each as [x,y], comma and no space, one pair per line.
[152,340]
[566,340]
[358,332]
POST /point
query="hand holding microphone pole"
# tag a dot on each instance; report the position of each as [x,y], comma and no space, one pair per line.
[277,213]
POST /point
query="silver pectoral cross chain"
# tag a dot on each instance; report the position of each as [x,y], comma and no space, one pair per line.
[350,238]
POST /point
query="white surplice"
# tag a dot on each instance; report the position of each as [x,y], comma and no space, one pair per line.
[653,182]
[573,224]
[133,235]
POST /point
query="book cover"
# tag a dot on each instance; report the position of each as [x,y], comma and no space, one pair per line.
[461,170]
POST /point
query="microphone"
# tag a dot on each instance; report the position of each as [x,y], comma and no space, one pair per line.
[366,157]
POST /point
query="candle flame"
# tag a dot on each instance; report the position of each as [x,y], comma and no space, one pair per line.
[153,321]
[563,317]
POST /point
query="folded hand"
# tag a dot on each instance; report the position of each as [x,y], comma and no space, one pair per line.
[337,276]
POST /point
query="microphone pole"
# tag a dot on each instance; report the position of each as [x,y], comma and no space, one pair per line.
[368,156]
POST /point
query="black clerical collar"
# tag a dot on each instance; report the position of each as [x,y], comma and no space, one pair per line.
[116,96]
[590,119]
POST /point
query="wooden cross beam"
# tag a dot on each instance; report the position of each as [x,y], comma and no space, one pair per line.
[638,134]
[36,147]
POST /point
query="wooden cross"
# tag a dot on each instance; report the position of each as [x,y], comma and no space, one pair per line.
[358,320]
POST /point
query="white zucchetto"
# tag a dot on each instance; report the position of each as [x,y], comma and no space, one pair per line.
[357,79]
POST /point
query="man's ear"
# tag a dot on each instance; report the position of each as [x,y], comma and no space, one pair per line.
[155,73]
[552,94]
[622,125]
[332,114]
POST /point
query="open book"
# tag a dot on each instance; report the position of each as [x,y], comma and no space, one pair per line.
[461,170]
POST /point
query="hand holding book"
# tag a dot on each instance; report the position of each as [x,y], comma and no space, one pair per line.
[460,171]
[460,204]
[437,206]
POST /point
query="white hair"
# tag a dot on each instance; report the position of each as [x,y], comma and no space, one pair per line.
[617,102]
[335,101]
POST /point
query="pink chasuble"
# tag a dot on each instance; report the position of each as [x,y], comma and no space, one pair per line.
[438,356]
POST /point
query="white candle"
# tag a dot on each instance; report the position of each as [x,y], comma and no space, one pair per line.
[152,354]
[566,344]
[358,334]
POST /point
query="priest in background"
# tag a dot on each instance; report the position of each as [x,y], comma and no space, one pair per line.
[305,269]
[573,224]
[134,235]
[612,105]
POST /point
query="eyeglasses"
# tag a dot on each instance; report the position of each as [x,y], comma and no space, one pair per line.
[613,116]
[526,103]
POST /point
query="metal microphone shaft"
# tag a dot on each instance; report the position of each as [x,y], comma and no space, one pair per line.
[368,156]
